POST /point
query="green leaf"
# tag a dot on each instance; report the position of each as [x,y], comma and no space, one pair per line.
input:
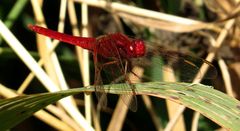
[213,104]
[15,12]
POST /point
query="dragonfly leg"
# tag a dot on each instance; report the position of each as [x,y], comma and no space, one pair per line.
[110,63]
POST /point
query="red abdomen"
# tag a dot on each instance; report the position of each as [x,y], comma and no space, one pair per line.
[86,43]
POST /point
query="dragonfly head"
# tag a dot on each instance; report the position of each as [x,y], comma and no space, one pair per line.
[137,48]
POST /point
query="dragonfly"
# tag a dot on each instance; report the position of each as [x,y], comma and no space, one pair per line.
[115,54]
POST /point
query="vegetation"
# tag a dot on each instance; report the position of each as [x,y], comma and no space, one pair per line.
[201,28]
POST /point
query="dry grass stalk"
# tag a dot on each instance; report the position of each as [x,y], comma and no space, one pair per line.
[81,55]
[226,77]
[152,18]
[85,58]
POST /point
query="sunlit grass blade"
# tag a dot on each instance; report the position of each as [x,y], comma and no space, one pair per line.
[215,105]
[15,110]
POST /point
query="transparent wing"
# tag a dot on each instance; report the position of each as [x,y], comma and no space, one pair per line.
[99,90]
[186,67]
[115,73]
[98,83]
[129,96]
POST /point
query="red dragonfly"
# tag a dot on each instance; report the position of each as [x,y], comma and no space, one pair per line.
[117,54]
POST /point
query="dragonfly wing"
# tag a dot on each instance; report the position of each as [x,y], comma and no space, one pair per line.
[98,83]
[114,73]
[197,63]
[187,67]
[99,90]
[129,96]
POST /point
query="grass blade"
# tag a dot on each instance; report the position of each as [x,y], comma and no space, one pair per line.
[217,106]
